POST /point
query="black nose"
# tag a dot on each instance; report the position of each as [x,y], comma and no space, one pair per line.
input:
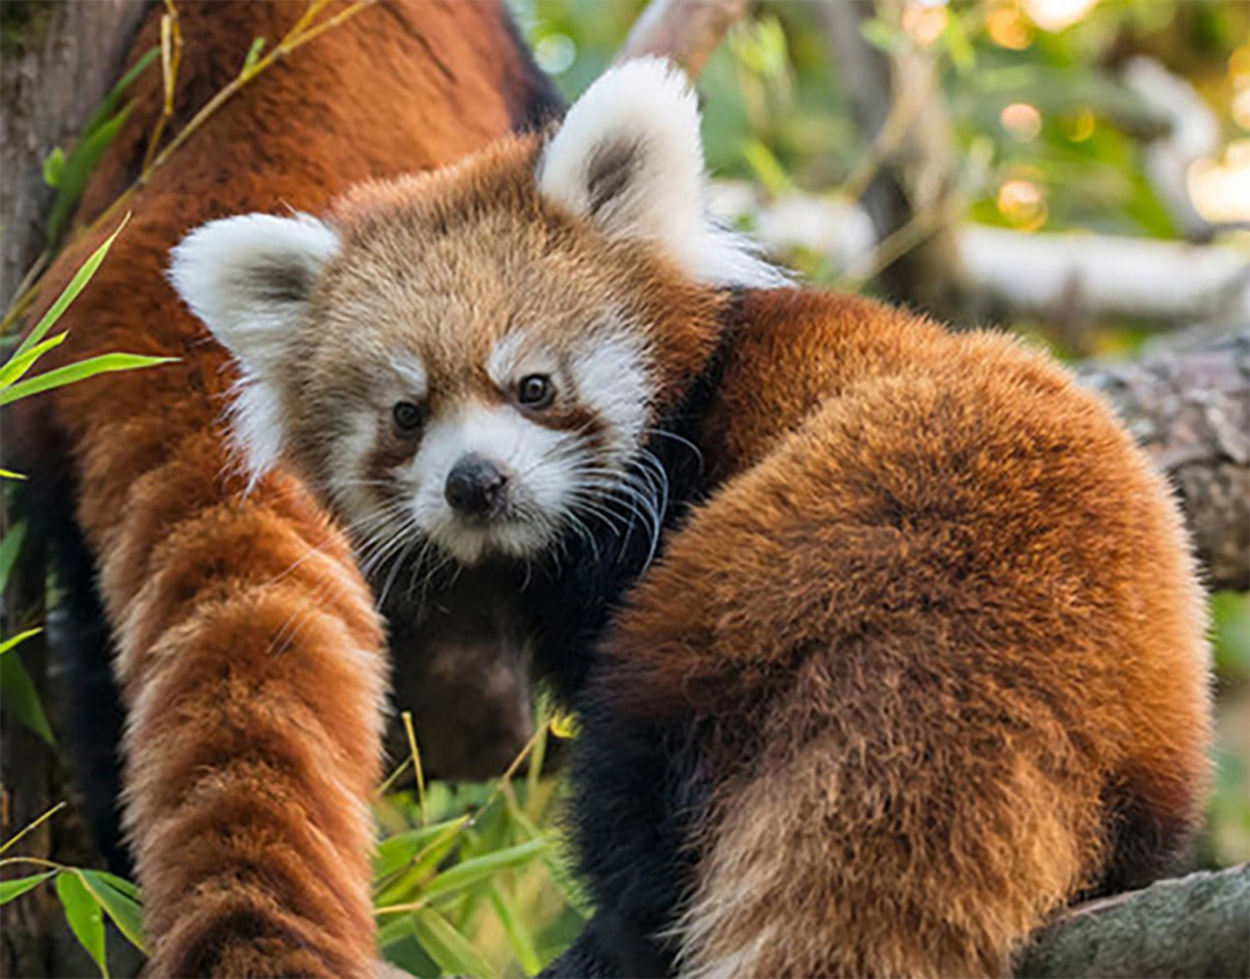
[474,486]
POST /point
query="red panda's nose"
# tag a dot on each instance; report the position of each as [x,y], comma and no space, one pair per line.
[474,486]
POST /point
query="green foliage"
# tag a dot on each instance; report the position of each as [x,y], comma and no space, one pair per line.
[17,886]
[17,691]
[84,914]
[68,174]
[478,885]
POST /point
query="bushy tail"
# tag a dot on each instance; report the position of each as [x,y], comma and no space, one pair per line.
[250,660]
[814,874]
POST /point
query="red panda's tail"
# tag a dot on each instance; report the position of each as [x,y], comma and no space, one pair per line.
[252,667]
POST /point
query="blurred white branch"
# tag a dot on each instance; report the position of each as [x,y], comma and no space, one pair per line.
[1193,133]
[1039,273]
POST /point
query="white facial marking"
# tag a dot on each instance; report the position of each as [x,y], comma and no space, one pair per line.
[613,380]
[540,477]
[345,482]
[412,375]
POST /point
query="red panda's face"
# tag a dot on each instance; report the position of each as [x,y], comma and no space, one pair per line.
[458,390]
[468,362]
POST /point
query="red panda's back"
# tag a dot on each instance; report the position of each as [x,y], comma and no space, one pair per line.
[960,607]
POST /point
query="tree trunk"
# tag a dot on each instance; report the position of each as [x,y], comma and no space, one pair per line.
[59,60]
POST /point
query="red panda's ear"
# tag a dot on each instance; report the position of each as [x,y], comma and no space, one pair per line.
[248,278]
[629,158]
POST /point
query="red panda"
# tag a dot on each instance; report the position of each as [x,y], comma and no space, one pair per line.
[248,649]
[921,657]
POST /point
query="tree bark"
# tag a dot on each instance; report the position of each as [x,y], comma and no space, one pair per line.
[1190,409]
[1192,926]
[59,61]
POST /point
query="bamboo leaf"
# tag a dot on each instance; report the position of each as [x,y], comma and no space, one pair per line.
[9,889]
[82,160]
[119,899]
[479,868]
[17,366]
[519,938]
[396,852]
[119,884]
[423,864]
[85,917]
[70,293]
[108,106]
[446,946]
[103,364]
[10,547]
[19,696]
[12,641]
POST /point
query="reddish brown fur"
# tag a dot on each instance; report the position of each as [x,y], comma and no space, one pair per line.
[948,615]
[249,649]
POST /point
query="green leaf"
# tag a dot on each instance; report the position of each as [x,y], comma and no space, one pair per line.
[17,366]
[12,641]
[253,55]
[519,938]
[396,852]
[395,930]
[119,884]
[9,474]
[10,547]
[84,915]
[19,696]
[119,899]
[479,868]
[82,160]
[70,293]
[103,364]
[92,142]
[446,946]
[9,889]
[403,888]
[108,106]
[54,167]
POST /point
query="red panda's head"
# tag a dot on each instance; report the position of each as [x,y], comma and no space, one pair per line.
[475,357]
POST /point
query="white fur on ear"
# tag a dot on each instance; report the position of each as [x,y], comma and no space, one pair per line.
[248,278]
[628,156]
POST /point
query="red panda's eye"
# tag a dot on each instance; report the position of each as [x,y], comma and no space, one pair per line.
[535,391]
[407,417]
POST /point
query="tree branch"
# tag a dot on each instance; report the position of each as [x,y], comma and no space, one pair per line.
[1190,409]
[1192,926]
[686,31]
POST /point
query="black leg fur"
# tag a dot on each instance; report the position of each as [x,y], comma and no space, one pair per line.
[637,794]
[87,709]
